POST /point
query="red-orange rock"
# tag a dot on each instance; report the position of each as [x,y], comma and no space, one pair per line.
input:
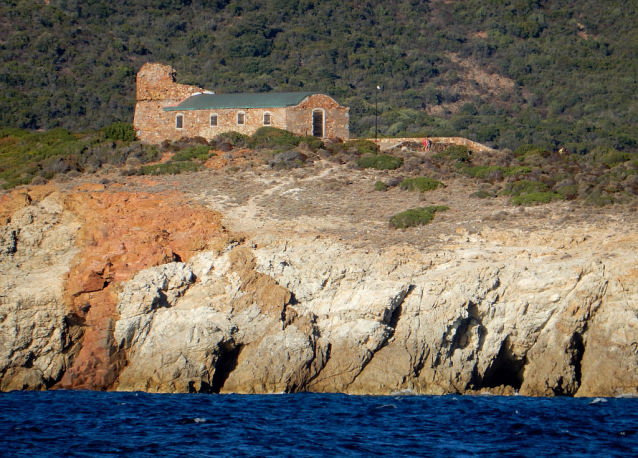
[123,233]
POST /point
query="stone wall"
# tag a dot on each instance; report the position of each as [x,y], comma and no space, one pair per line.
[156,82]
[386,143]
[197,122]
[336,117]
[156,89]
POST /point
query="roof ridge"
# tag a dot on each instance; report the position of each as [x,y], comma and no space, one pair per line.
[242,100]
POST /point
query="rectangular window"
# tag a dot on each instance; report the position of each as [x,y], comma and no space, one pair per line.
[241,119]
[179,121]
[213,120]
[266,119]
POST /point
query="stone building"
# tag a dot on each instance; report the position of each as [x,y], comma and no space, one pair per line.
[166,110]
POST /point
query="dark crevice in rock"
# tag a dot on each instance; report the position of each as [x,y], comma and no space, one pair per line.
[318,364]
[162,302]
[392,318]
[226,364]
[29,361]
[577,346]
[199,387]
[465,330]
[463,335]
[396,313]
[288,315]
[506,370]
[391,321]
[74,328]
[420,362]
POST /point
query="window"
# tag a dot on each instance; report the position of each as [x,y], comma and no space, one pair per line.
[317,123]
[267,119]
[241,118]
[213,120]
[179,121]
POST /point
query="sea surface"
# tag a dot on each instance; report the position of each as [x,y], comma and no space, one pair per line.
[87,424]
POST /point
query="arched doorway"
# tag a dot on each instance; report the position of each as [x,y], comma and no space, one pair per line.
[317,123]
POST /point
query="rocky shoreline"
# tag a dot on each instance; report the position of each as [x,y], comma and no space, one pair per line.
[189,285]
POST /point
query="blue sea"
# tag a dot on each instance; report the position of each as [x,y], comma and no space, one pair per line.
[96,424]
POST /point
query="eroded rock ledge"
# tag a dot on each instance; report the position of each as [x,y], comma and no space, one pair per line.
[110,290]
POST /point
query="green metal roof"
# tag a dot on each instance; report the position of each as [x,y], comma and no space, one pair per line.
[258,100]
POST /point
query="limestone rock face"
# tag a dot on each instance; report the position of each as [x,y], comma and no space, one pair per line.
[225,330]
[38,338]
[316,317]
[136,298]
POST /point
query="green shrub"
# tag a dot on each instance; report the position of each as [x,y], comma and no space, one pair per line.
[536,198]
[598,199]
[480,171]
[170,168]
[272,136]
[615,158]
[380,162]
[454,153]
[120,131]
[200,152]
[234,138]
[568,192]
[484,171]
[362,145]
[524,187]
[380,186]
[519,170]
[13,132]
[421,184]
[526,149]
[416,216]
[457,153]
[534,158]
[481,194]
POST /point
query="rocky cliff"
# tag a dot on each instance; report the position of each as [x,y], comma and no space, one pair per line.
[144,289]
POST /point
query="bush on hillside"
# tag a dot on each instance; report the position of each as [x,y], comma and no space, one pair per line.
[120,131]
[524,187]
[421,184]
[416,216]
[485,171]
[234,138]
[380,162]
[363,146]
[536,198]
[271,137]
[200,152]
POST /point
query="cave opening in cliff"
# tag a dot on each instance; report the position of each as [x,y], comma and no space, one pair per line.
[506,370]
[226,363]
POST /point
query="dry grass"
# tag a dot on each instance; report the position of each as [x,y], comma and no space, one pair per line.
[334,201]
[329,200]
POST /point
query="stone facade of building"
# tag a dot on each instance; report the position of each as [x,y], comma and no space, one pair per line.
[156,89]
[158,109]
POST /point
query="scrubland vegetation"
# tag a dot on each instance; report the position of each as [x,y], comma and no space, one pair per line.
[416,216]
[530,175]
[504,73]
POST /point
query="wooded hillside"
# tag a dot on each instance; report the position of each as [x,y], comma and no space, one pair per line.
[505,73]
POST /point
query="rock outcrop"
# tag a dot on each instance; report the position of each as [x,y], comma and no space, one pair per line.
[110,290]
[39,338]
